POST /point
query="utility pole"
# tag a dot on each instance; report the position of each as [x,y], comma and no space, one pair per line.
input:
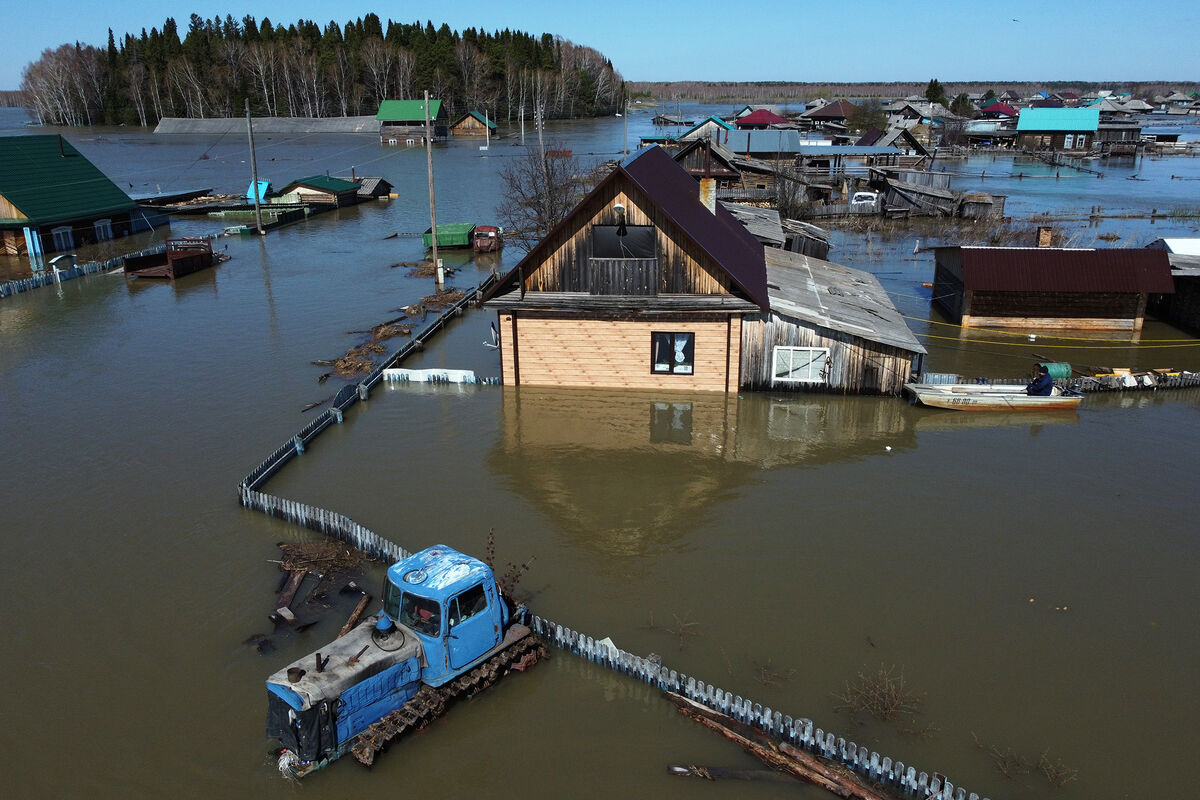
[253,172]
[437,264]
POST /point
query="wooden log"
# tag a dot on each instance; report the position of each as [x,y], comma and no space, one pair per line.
[355,615]
[782,756]
[295,578]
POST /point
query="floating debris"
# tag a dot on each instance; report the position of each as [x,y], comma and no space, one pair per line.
[327,556]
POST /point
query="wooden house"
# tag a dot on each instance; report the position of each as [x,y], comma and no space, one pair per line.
[473,123]
[54,199]
[321,189]
[830,328]
[641,286]
[1048,288]
[403,121]
[836,111]
[759,120]
[708,128]
[702,158]
[1065,129]
[370,187]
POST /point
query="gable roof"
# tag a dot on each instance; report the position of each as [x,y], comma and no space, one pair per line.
[760,117]
[47,180]
[323,183]
[839,109]
[1058,119]
[408,110]
[709,121]
[483,120]
[676,195]
[265,190]
[1053,269]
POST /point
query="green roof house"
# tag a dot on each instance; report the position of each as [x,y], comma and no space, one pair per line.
[321,189]
[403,121]
[52,198]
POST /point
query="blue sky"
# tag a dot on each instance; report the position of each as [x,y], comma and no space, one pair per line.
[740,40]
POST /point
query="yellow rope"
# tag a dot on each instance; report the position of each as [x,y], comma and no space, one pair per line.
[1047,335]
[1044,345]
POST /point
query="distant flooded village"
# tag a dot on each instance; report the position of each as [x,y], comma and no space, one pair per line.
[874,361]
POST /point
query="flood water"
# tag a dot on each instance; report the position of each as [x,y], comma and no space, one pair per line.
[1032,577]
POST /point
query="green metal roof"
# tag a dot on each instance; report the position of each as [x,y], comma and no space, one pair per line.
[1070,120]
[407,110]
[482,119]
[49,181]
[324,183]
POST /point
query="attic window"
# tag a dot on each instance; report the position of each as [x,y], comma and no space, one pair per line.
[638,241]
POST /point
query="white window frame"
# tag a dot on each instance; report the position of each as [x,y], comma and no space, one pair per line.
[1068,141]
[819,355]
[103,229]
[1080,141]
[64,237]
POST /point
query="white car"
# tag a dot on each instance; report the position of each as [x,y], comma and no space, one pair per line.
[864,200]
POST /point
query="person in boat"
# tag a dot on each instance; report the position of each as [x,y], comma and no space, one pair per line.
[1042,384]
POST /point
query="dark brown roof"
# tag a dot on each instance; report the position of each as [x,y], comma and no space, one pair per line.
[839,109]
[676,194]
[1052,269]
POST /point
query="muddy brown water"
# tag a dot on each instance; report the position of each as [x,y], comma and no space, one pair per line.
[1032,577]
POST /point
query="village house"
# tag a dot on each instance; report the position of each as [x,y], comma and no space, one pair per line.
[473,123]
[759,120]
[651,284]
[1064,129]
[321,189]
[1182,308]
[707,128]
[1048,287]
[53,199]
[403,121]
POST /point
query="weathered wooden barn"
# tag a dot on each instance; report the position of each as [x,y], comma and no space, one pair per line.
[473,123]
[1048,287]
[641,286]
[1182,308]
[1066,129]
[403,122]
[54,199]
[321,189]
[830,328]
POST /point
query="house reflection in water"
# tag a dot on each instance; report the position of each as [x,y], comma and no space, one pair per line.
[633,472]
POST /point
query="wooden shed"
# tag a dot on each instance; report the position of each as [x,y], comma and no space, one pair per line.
[322,189]
[830,328]
[641,286]
[473,123]
[1048,287]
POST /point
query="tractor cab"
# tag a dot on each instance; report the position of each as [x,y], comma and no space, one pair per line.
[450,601]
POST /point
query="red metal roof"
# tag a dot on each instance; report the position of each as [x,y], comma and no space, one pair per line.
[1000,108]
[1051,269]
[760,117]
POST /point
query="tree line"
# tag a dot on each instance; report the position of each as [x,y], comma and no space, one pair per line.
[304,70]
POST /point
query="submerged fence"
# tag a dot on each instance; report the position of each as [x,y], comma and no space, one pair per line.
[800,732]
[54,275]
[797,731]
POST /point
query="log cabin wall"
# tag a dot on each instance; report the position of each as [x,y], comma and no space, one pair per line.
[680,267]
[1062,310]
[856,365]
[567,350]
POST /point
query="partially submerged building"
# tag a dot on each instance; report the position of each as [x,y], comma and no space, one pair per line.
[1065,129]
[403,121]
[1048,287]
[646,286]
[322,190]
[473,123]
[53,199]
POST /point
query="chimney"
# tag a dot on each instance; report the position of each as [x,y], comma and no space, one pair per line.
[708,184]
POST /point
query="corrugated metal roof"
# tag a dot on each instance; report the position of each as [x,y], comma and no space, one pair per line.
[407,110]
[675,193]
[49,185]
[1052,269]
[838,109]
[1058,119]
[832,296]
[760,117]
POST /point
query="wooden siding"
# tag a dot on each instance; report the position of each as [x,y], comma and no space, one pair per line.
[8,210]
[1060,310]
[469,126]
[580,352]
[682,268]
[856,366]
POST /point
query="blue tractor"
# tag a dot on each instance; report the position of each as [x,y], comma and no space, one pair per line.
[444,631]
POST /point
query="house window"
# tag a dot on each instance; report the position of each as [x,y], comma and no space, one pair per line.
[623,241]
[64,239]
[1068,141]
[1080,141]
[672,353]
[103,229]
[800,364]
